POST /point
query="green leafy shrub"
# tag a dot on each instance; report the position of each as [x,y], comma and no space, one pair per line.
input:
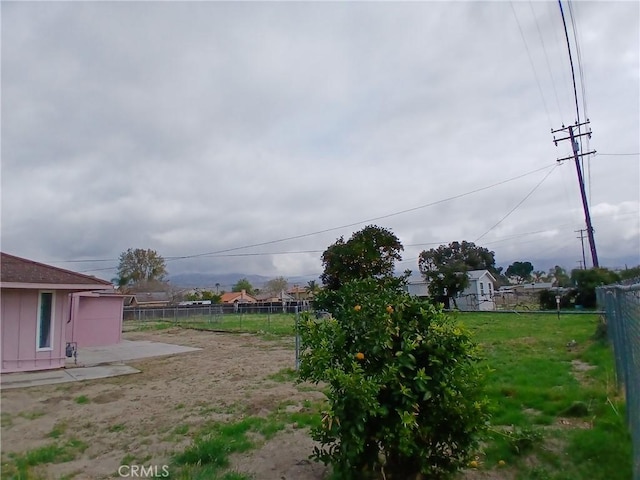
[404,388]
[587,281]
[548,299]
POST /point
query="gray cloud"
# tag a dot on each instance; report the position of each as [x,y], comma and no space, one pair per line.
[205,126]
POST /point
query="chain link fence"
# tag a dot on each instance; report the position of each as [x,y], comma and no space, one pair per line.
[621,304]
[213,311]
[279,319]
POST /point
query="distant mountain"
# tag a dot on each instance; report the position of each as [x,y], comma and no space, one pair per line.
[208,281]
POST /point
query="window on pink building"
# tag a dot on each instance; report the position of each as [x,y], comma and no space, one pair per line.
[45,321]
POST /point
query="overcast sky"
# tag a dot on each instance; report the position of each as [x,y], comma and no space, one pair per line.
[196,128]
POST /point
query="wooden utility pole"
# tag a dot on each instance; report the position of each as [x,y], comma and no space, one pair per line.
[581,237]
[576,156]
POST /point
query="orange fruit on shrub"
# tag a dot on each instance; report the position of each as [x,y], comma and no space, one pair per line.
[357,308]
[360,356]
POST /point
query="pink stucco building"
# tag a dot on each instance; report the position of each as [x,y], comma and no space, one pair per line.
[43,308]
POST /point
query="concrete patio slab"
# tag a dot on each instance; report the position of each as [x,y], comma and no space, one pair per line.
[52,377]
[125,351]
[95,362]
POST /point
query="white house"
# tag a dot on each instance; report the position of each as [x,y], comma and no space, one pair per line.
[479,293]
[418,287]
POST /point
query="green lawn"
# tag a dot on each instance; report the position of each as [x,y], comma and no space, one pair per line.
[273,323]
[556,410]
[557,413]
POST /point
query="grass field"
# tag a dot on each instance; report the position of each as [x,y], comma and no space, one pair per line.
[272,323]
[557,413]
[556,409]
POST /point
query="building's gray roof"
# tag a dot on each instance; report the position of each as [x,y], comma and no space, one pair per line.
[476,274]
[20,270]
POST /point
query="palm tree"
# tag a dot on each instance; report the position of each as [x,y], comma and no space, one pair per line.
[538,276]
[312,288]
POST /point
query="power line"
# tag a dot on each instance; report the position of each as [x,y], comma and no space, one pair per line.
[549,251]
[426,244]
[443,242]
[518,205]
[517,235]
[546,56]
[535,74]
[576,156]
[575,90]
[617,154]
[576,35]
[105,269]
[88,260]
[510,237]
[431,204]
[573,73]
[526,234]
[295,237]
[565,82]
[293,252]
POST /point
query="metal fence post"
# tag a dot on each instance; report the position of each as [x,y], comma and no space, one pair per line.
[297,321]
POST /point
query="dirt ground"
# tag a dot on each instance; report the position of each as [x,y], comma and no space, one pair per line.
[133,417]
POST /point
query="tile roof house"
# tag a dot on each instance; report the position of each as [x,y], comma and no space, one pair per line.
[45,308]
[298,292]
[237,297]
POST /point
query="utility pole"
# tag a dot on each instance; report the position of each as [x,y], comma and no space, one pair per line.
[581,237]
[576,156]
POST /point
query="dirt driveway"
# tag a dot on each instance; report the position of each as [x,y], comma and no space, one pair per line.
[145,418]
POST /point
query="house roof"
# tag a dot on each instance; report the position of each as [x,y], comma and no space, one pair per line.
[153,297]
[276,297]
[477,274]
[17,272]
[231,297]
[264,297]
[537,286]
[296,289]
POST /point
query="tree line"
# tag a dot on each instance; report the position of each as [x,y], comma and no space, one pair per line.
[142,270]
[372,253]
